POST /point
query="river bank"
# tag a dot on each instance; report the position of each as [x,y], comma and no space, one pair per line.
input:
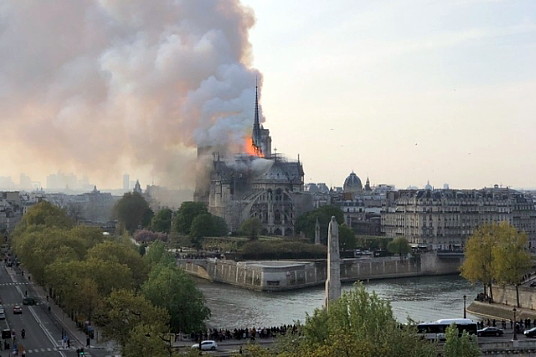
[499,311]
[279,275]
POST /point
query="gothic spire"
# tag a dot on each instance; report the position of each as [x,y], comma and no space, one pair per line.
[256,135]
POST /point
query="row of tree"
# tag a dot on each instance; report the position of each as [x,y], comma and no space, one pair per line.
[497,253]
[136,300]
[192,218]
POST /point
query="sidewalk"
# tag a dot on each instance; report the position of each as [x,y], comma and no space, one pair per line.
[500,311]
[77,336]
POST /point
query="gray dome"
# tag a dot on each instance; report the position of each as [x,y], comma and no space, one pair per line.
[352,183]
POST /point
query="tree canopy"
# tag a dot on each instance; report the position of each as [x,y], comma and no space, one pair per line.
[186,215]
[161,221]
[251,228]
[124,313]
[496,252]
[511,258]
[44,214]
[100,278]
[347,240]
[306,223]
[460,346]
[132,211]
[170,288]
[400,246]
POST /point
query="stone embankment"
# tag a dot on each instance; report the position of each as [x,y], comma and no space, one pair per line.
[290,275]
[499,311]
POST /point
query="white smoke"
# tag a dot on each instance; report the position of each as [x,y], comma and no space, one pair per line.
[104,87]
[251,164]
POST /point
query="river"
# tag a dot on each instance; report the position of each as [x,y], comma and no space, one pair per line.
[422,299]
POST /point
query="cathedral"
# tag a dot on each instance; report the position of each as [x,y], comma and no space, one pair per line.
[258,184]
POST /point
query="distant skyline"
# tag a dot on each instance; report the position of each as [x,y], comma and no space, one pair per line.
[401,92]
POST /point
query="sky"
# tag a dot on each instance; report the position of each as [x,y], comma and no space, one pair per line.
[402,92]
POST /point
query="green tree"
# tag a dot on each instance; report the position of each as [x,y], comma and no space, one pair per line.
[40,246]
[132,211]
[123,313]
[169,287]
[251,228]
[347,239]
[157,254]
[399,246]
[478,263]
[511,258]
[460,346]
[186,215]
[161,221]
[202,226]
[125,254]
[90,236]
[43,214]
[220,226]
[358,324]
[306,223]
[146,340]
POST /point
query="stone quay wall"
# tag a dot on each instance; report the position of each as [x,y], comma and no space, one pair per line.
[507,295]
[290,275]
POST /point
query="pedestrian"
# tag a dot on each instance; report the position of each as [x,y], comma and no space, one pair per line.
[88,342]
[68,343]
[240,349]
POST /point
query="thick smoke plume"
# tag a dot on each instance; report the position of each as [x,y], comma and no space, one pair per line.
[112,86]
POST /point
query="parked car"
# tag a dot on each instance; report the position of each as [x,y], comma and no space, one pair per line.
[29,301]
[206,345]
[530,333]
[2,314]
[17,309]
[490,331]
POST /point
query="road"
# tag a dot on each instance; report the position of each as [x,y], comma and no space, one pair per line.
[43,331]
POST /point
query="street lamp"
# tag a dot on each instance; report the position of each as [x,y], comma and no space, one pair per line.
[515,325]
[464,309]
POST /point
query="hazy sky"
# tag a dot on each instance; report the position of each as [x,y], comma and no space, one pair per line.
[401,91]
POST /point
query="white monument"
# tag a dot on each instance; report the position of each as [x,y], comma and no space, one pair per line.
[333,281]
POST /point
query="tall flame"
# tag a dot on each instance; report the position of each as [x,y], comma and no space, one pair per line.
[251,149]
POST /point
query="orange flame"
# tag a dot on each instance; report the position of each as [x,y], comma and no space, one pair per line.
[251,149]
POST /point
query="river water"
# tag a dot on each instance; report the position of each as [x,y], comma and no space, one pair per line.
[422,299]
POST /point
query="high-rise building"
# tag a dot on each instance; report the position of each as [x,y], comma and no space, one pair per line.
[126,182]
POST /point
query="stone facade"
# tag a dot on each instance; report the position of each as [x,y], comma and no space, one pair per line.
[291,275]
[444,219]
[270,189]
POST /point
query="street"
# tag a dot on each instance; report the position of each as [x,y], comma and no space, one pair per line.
[43,329]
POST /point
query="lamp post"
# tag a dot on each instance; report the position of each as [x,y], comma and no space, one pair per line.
[464,309]
[515,325]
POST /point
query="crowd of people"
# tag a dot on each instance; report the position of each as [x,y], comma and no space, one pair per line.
[520,325]
[244,333]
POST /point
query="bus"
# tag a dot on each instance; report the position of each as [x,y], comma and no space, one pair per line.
[436,330]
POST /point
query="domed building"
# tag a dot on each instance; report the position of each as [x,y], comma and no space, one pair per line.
[352,185]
